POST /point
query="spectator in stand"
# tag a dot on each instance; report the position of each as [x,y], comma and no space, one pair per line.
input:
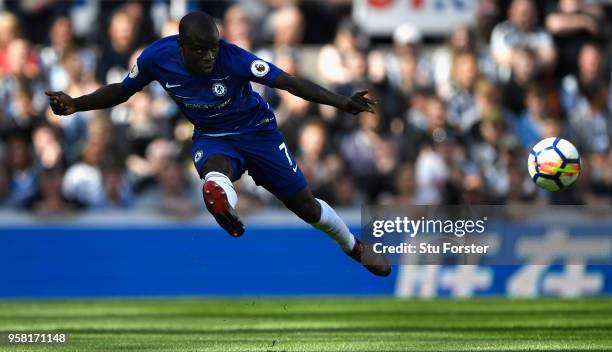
[487,16]
[437,126]
[591,122]
[331,62]
[22,68]
[170,27]
[61,40]
[460,41]
[464,78]
[487,101]
[415,124]
[521,31]
[311,154]
[590,74]
[117,188]
[116,53]
[49,200]
[573,24]
[74,129]
[404,187]
[174,195]
[9,30]
[359,148]
[21,113]
[530,124]
[141,128]
[344,192]
[524,73]
[355,64]
[431,175]
[53,57]
[143,168]
[287,26]
[47,147]
[23,172]
[84,182]
[488,140]
[407,68]
[237,27]
[370,156]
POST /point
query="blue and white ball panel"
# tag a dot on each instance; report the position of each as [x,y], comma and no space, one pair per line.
[557,153]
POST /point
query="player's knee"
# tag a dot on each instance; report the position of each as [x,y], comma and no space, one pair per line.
[216,163]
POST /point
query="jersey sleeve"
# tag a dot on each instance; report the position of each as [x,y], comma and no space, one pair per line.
[249,67]
[139,75]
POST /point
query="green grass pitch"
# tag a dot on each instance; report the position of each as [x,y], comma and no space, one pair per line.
[315,324]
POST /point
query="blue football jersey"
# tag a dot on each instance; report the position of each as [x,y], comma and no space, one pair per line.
[217,103]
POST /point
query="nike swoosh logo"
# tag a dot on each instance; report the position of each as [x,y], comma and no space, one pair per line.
[219,79]
[294,168]
[168,85]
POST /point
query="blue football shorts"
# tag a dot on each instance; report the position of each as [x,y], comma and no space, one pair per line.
[263,154]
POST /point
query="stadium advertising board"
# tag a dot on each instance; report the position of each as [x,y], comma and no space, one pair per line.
[381,17]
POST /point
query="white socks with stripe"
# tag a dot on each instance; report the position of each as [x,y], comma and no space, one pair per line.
[334,227]
[225,183]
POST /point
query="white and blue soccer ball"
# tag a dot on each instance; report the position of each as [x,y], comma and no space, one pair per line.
[554,164]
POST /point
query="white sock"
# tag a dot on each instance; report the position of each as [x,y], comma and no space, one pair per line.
[334,227]
[225,183]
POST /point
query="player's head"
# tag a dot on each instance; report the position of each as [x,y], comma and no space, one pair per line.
[199,42]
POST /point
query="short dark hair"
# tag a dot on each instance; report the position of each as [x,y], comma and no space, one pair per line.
[197,25]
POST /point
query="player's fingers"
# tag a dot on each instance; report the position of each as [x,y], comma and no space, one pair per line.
[367,107]
[362,106]
[370,101]
[362,92]
[52,94]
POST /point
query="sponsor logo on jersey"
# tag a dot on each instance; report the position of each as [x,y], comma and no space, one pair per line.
[207,106]
[260,68]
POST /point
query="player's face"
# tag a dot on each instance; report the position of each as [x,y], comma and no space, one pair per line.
[199,56]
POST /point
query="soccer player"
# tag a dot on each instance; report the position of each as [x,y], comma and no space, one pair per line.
[235,129]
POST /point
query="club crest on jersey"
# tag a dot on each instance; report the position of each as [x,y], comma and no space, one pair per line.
[198,155]
[219,89]
[134,71]
[260,68]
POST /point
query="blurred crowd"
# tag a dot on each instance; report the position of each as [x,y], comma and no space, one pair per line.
[454,122]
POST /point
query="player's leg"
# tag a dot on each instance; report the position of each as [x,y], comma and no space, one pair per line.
[272,166]
[323,217]
[218,169]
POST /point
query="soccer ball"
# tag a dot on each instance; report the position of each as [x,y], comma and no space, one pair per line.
[554,164]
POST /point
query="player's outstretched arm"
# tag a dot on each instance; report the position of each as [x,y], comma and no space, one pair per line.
[103,98]
[308,90]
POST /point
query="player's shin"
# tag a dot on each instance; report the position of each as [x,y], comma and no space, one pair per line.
[334,227]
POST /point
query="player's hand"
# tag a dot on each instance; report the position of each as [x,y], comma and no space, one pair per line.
[357,103]
[61,103]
